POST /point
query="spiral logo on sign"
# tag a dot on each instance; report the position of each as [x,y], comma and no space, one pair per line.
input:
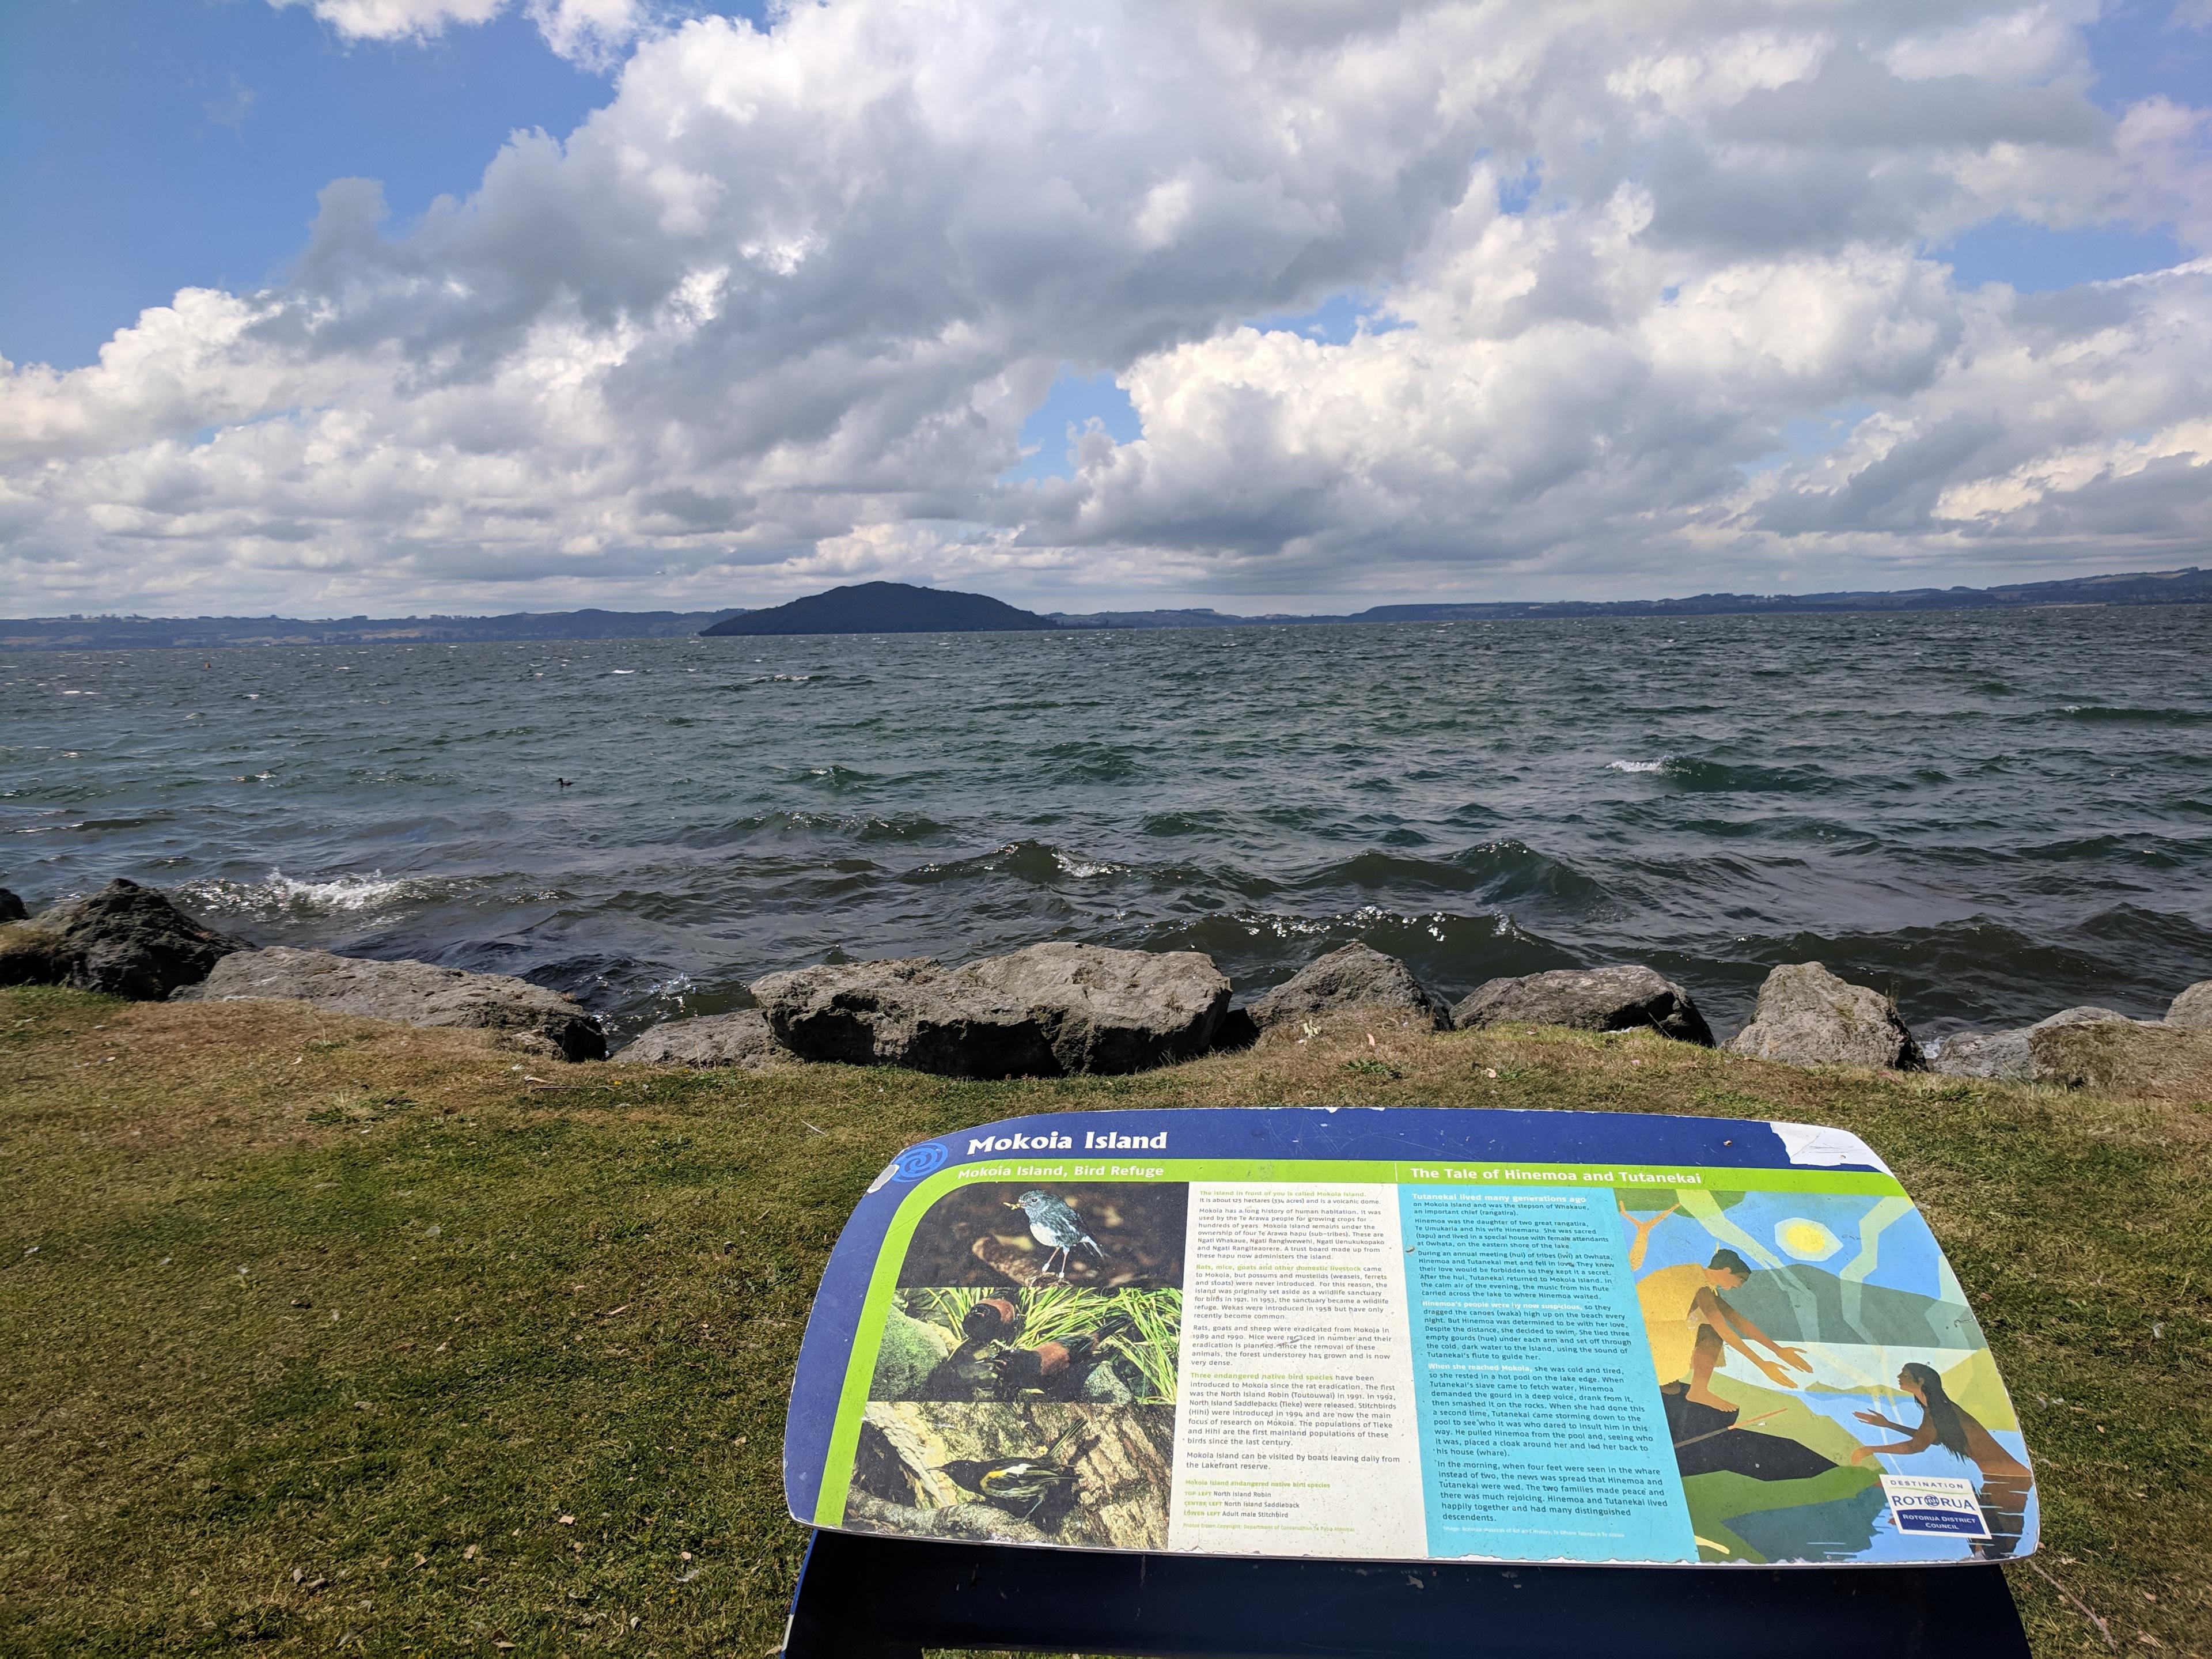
[916,1162]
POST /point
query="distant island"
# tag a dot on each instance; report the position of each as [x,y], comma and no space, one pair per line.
[2188,587]
[219,633]
[886,608]
[899,608]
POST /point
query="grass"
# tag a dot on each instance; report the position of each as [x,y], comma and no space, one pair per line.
[314,1329]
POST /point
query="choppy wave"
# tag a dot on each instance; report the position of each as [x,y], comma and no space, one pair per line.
[1688,772]
[805,825]
[1992,817]
[1092,762]
[1694,774]
[1083,871]
[278,894]
[1497,872]
[837,777]
[1038,862]
[2104,713]
[1452,951]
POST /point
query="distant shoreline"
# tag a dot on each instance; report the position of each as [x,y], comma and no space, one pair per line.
[81,633]
[2189,586]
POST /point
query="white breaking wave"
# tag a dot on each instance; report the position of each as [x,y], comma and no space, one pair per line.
[1634,766]
[280,892]
[1078,868]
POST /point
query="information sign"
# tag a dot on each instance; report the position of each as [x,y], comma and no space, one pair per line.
[1405,1333]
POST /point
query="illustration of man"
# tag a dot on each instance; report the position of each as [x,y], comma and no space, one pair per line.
[1691,1327]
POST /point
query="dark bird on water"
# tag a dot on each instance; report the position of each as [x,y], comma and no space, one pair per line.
[1054,1224]
[563,782]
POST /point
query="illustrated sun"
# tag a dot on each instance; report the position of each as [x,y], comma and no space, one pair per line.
[1808,1241]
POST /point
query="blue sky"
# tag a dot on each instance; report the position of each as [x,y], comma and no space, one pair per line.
[2144,49]
[158,144]
[153,147]
[2140,50]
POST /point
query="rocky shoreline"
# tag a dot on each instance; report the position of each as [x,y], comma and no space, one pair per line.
[1061,1009]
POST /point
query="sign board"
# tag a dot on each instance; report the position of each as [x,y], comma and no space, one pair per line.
[1405,1333]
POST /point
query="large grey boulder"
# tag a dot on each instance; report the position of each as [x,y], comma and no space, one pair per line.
[125,939]
[2009,1056]
[2086,1015]
[1112,1010]
[1994,1056]
[1356,977]
[2193,1007]
[1807,1016]
[410,993]
[2132,1057]
[1044,1012]
[742,1038]
[902,1011]
[1624,998]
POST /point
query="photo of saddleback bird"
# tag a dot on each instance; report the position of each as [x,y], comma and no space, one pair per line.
[970,1371]
[1059,1369]
[1039,1489]
[945,1343]
[1055,1225]
[994,1319]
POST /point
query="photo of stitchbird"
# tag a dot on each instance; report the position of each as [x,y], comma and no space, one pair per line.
[1039,1488]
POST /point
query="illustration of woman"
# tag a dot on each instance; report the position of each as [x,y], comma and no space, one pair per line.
[2006,1482]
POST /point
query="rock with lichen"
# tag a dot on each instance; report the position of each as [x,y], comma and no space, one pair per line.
[1806,1016]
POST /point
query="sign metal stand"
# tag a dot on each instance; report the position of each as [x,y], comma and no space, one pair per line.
[883,1598]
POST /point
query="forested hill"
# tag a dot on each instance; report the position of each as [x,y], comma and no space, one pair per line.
[886,608]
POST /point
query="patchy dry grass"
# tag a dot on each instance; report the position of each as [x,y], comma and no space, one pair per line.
[312,1327]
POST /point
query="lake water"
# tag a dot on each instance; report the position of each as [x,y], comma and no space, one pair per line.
[1993,817]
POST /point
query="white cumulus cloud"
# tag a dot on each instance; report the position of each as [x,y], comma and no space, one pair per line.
[588,30]
[1652,302]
